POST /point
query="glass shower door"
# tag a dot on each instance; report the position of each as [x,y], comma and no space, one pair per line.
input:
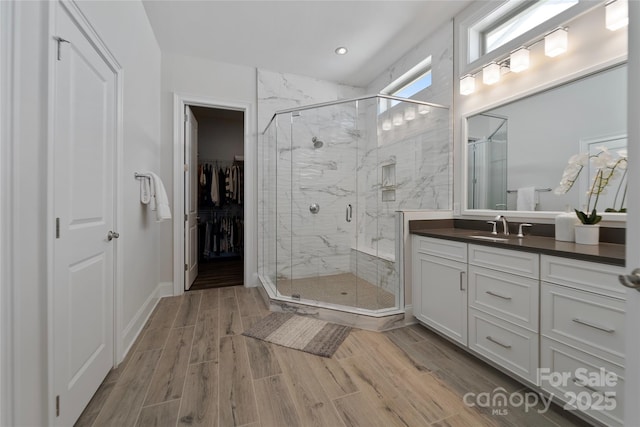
[323,204]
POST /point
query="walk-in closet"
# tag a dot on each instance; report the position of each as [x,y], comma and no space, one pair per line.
[220,197]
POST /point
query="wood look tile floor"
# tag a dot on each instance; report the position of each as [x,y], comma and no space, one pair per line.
[191,367]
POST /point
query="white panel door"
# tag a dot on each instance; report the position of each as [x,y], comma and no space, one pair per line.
[191,197]
[84,202]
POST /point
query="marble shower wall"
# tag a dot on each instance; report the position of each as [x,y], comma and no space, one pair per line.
[347,169]
[405,167]
[305,244]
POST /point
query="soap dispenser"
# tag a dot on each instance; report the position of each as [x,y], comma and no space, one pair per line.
[565,223]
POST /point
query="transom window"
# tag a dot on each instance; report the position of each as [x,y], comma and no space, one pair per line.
[409,84]
[512,19]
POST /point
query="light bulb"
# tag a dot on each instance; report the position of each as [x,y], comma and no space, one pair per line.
[519,60]
[409,113]
[617,14]
[467,85]
[556,43]
[397,119]
[386,125]
[491,74]
[423,109]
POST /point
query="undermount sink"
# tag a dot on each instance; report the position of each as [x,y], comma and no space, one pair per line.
[490,238]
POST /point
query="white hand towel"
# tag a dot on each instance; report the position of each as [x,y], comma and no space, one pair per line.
[526,200]
[145,190]
[159,200]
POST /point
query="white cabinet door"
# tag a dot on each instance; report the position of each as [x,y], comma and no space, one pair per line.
[440,295]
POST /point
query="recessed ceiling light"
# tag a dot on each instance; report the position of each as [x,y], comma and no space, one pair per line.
[341,50]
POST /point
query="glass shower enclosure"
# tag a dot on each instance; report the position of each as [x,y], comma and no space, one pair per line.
[333,179]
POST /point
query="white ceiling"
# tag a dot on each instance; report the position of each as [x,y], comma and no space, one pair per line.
[300,37]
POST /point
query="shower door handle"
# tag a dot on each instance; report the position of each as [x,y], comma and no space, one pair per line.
[349,213]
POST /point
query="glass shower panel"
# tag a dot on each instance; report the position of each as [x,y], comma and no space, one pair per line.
[323,203]
[371,186]
[268,225]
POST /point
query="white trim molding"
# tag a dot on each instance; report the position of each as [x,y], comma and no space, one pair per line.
[180,100]
[134,328]
[7,135]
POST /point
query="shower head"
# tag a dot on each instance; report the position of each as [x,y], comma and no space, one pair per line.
[316,142]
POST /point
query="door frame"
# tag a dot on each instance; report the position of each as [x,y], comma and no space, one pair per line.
[180,100]
[85,26]
[8,132]
[632,339]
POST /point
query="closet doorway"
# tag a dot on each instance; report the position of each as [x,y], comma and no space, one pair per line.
[214,197]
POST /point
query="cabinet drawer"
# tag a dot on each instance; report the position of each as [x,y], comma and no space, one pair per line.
[589,276]
[521,263]
[508,345]
[507,296]
[455,251]
[591,322]
[560,359]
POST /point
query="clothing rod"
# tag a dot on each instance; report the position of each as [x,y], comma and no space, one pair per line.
[141,175]
[540,190]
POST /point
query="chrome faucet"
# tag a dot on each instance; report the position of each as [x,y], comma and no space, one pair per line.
[505,224]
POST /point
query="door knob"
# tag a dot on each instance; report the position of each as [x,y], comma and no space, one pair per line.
[631,280]
[112,235]
[314,208]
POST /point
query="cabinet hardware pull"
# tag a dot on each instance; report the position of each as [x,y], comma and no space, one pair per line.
[493,340]
[498,295]
[462,275]
[593,325]
[588,387]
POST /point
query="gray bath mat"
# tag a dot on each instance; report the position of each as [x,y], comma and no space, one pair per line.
[301,333]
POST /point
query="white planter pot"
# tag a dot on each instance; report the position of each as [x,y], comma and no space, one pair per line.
[587,234]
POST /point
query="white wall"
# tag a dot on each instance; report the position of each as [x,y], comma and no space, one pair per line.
[591,47]
[218,82]
[125,29]
[220,139]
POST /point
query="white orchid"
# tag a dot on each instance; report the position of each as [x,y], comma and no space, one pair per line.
[606,166]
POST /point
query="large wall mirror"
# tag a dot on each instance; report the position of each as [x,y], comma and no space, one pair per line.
[516,152]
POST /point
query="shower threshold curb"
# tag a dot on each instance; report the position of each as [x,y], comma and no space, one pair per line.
[362,321]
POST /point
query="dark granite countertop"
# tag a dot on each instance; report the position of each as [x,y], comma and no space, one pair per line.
[607,253]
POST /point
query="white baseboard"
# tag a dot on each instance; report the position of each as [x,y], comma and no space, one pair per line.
[133,329]
[164,289]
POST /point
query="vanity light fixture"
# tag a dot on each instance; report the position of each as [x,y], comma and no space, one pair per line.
[519,60]
[409,113]
[423,109]
[386,125]
[397,120]
[616,14]
[467,85]
[341,50]
[556,42]
[491,73]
